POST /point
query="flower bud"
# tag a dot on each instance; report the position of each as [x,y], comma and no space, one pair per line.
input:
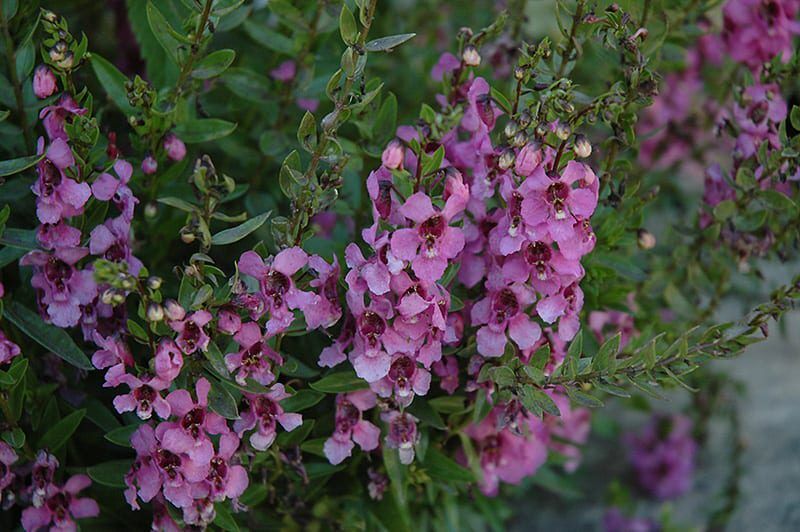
[519,73]
[175,148]
[149,165]
[187,235]
[541,130]
[55,54]
[562,131]
[506,159]
[154,282]
[107,296]
[117,298]
[155,312]
[582,147]
[127,282]
[50,17]
[529,157]
[519,139]
[44,82]
[67,62]
[524,119]
[646,239]
[150,210]
[173,310]
[470,56]
[511,128]
[392,156]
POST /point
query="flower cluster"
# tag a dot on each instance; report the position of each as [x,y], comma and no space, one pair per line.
[663,456]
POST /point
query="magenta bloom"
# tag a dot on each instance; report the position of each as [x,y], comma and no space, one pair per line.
[402,434]
[190,434]
[62,507]
[264,412]
[556,203]
[375,340]
[404,379]
[566,305]
[168,360]
[42,474]
[8,349]
[44,82]
[7,458]
[351,427]
[503,309]
[54,116]
[226,480]
[191,333]
[175,148]
[285,71]
[505,456]
[59,235]
[254,358]
[61,288]
[758,119]
[58,196]
[662,455]
[111,240]
[144,397]
[544,266]
[393,154]
[433,242]
[325,310]
[447,371]
[276,285]
[755,31]
[228,320]
[109,188]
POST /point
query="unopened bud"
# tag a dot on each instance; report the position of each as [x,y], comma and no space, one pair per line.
[55,54]
[149,165]
[506,159]
[187,235]
[511,128]
[107,296]
[150,210]
[50,17]
[519,139]
[646,239]
[127,283]
[519,73]
[541,130]
[582,147]
[562,131]
[117,299]
[173,310]
[524,119]
[67,62]
[470,56]
[154,282]
[155,312]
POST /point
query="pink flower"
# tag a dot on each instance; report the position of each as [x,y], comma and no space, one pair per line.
[7,458]
[52,236]
[556,203]
[54,116]
[392,156]
[175,148]
[566,305]
[755,31]
[446,64]
[168,360]
[447,371]
[544,266]
[351,427]
[58,196]
[402,434]
[190,434]
[325,310]
[503,309]
[149,165]
[109,188]
[62,507]
[42,474]
[254,358]
[334,354]
[191,333]
[228,320]
[763,110]
[61,288]
[8,349]
[226,480]
[285,71]
[433,242]
[528,158]
[308,104]
[44,82]
[111,240]
[375,339]
[404,379]
[276,285]
[264,412]
[144,397]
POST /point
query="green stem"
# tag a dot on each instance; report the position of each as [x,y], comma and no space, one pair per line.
[570,47]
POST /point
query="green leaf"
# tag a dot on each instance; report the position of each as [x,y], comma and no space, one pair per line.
[340,382]
[234,234]
[204,130]
[347,25]
[501,100]
[14,374]
[222,402]
[163,32]
[397,478]
[794,117]
[25,57]
[214,64]
[433,162]
[422,410]
[122,435]
[113,82]
[724,210]
[270,38]
[111,474]
[247,84]
[48,336]
[583,399]
[178,204]
[59,433]
[15,438]
[387,44]
[15,166]
[386,120]
[449,404]
[605,358]
[307,132]
[502,376]
[778,201]
[297,436]
[441,467]
[224,518]
[302,400]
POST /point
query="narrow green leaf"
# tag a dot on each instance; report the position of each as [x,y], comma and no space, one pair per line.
[302,400]
[387,44]
[605,358]
[113,82]
[48,336]
[122,435]
[234,234]
[214,64]
[15,166]
[59,433]
[204,130]
[340,382]
[444,468]
[347,25]
[111,474]
[163,32]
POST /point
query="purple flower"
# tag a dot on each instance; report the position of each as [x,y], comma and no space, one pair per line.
[254,358]
[8,350]
[392,156]
[58,235]
[375,339]
[755,31]
[58,196]
[325,310]
[544,266]
[284,72]
[109,188]
[54,116]
[191,332]
[61,289]
[351,427]
[111,240]
[144,397]
[264,412]
[556,203]
[226,480]
[564,306]
[615,521]
[433,242]
[7,458]
[195,422]
[149,165]
[503,309]
[276,285]
[447,371]
[42,474]
[404,379]
[175,148]
[61,507]
[402,434]
[44,82]
[168,360]
[446,64]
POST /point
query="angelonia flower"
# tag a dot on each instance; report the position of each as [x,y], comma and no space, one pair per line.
[663,456]
[61,506]
[350,427]
[7,458]
[8,349]
[284,72]
[44,82]
[175,148]
[755,31]
[402,434]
